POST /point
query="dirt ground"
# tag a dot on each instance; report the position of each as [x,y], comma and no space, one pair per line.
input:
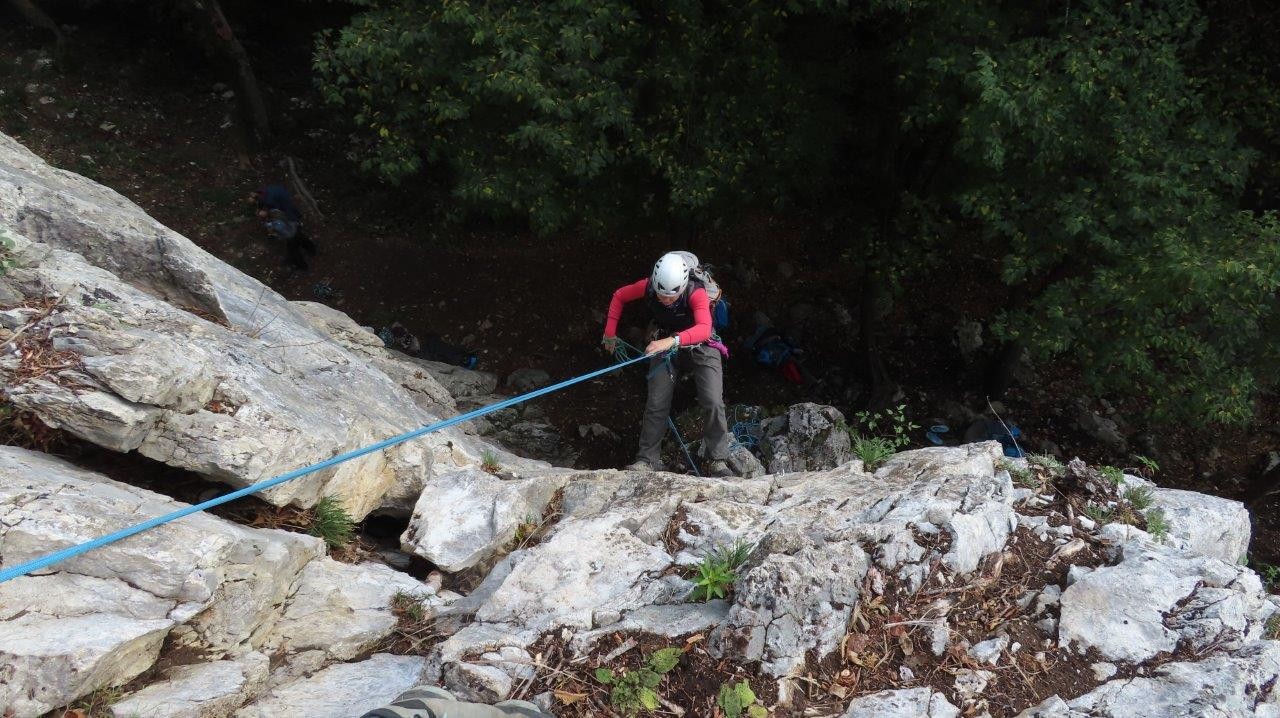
[149,117]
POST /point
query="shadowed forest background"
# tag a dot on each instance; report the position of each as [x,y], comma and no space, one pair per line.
[1066,208]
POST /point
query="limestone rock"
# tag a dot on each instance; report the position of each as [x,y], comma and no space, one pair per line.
[903,703]
[203,690]
[526,380]
[814,439]
[343,690]
[1158,597]
[464,516]
[343,609]
[179,356]
[1232,686]
[822,585]
[1203,524]
[50,661]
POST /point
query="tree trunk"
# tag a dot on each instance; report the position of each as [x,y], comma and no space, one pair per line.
[34,15]
[213,25]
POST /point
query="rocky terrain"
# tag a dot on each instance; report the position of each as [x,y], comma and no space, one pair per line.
[947,581]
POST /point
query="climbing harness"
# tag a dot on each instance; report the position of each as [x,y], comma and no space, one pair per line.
[78,549]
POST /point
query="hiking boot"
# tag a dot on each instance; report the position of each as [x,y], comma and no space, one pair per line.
[435,702]
[720,469]
[641,465]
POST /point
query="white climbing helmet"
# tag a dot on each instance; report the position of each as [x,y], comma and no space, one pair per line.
[670,275]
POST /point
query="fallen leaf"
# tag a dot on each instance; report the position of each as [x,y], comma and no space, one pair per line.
[567,698]
[857,643]
[693,639]
[907,646]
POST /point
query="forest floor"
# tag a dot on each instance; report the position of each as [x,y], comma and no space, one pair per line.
[157,124]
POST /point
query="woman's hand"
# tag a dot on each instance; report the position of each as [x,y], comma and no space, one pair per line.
[658,346]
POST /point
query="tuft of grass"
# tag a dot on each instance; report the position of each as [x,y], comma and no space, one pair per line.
[1048,463]
[1139,497]
[489,462]
[1113,475]
[331,522]
[1022,476]
[1102,515]
[1157,525]
[409,606]
[718,571]
[95,705]
[525,529]
[415,633]
[735,554]
[1271,630]
[873,450]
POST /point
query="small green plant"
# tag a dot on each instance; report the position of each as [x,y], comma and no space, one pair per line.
[735,554]
[713,581]
[717,572]
[1149,466]
[1139,497]
[7,245]
[737,700]
[415,631]
[1157,524]
[1022,475]
[1271,630]
[1048,463]
[636,690]
[1270,573]
[525,530]
[97,704]
[331,522]
[873,450]
[1101,515]
[409,605]
[489,462]
[1113,475]
[890,425]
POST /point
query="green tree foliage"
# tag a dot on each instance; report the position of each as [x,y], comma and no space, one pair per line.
[1108,189]
[564,110]
[1089,149]
[1096,169]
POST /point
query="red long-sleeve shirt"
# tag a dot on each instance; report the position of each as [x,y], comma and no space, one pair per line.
[698,302]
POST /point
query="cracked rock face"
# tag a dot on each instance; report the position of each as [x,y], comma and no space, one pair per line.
[1241,683]
[794,595]
[172,353]
[1157,599]
[810,438]
[100,619]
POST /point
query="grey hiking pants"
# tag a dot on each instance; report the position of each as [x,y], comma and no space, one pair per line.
[708,375]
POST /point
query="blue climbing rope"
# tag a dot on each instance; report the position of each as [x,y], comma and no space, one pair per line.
[685,447]
[745,429]
[78,549]
[623,352]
